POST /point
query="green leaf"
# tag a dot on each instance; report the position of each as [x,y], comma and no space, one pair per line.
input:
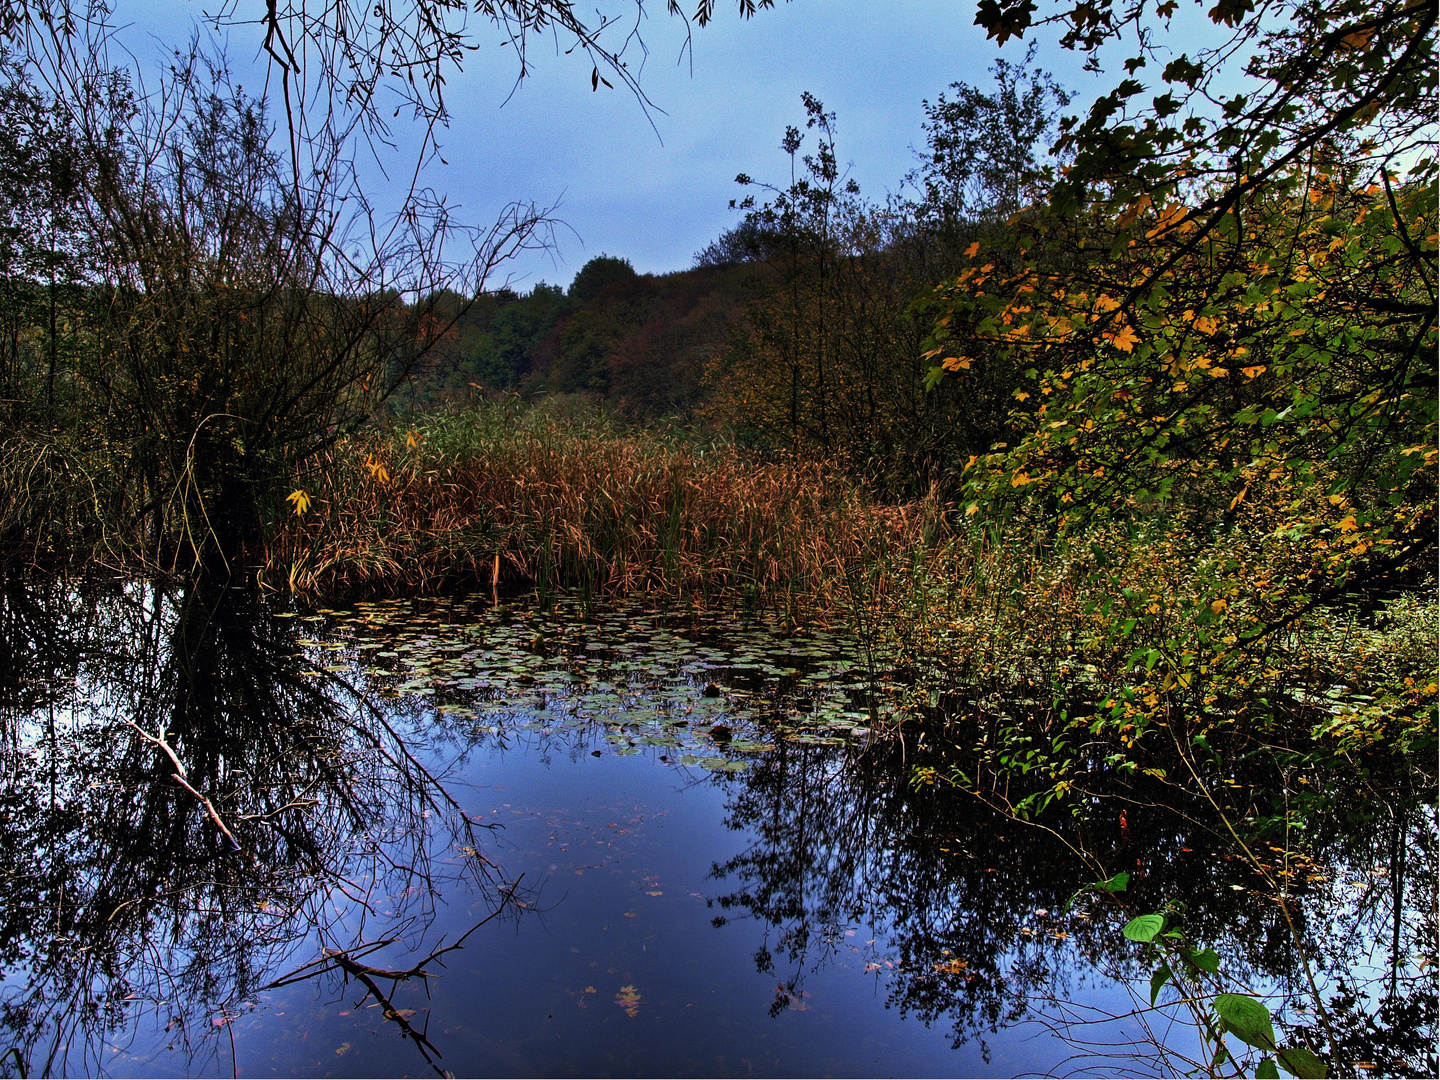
[1301,1062]
[1205,960]
[1144,927]
[1266,1070]
[1247,1019]
[1158,981]
[1112,885]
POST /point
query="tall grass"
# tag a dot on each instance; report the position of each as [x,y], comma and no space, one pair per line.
[501,495]
[65,501]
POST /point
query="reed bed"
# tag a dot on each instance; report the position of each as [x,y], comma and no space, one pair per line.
[499,497]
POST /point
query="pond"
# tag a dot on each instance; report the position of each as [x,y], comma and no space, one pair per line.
[498,838]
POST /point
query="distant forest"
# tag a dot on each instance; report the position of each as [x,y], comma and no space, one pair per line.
[637,342]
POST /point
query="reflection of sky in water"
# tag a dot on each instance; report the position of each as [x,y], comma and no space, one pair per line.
[618,968]
[720,871]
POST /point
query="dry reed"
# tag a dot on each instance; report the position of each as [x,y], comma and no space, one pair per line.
[497,496]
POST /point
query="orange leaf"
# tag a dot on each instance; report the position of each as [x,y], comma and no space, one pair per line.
[1125,339]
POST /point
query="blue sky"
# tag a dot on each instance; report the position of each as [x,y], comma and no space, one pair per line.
[656,195]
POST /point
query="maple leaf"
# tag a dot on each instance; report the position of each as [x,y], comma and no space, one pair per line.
[1125,339]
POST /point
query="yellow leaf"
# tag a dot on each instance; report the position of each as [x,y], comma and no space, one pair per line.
[1136,208]
[1170,217]
[1219,372]
[1251,372]
[1020,479]
[972,250]
[299,499]
[1347,524]
[413,439]
[377,470]
[956,363]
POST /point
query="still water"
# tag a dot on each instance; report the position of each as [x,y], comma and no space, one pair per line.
[418,837]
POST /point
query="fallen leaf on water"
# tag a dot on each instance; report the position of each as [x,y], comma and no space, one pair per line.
[342,1048]
[654,892]
[629,999]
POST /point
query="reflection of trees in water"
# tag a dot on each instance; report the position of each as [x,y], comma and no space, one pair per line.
[840,839]
[954,893]
[121,897]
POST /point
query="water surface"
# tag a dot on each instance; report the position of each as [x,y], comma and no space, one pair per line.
[667,844]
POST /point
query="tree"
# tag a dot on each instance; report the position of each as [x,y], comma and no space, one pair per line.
[233,324]
[42,240]
[599,274]
[827,359]
[1230,297]
[981,161]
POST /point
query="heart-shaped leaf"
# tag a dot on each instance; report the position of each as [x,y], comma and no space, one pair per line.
[1144,927]
[1247,1019]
